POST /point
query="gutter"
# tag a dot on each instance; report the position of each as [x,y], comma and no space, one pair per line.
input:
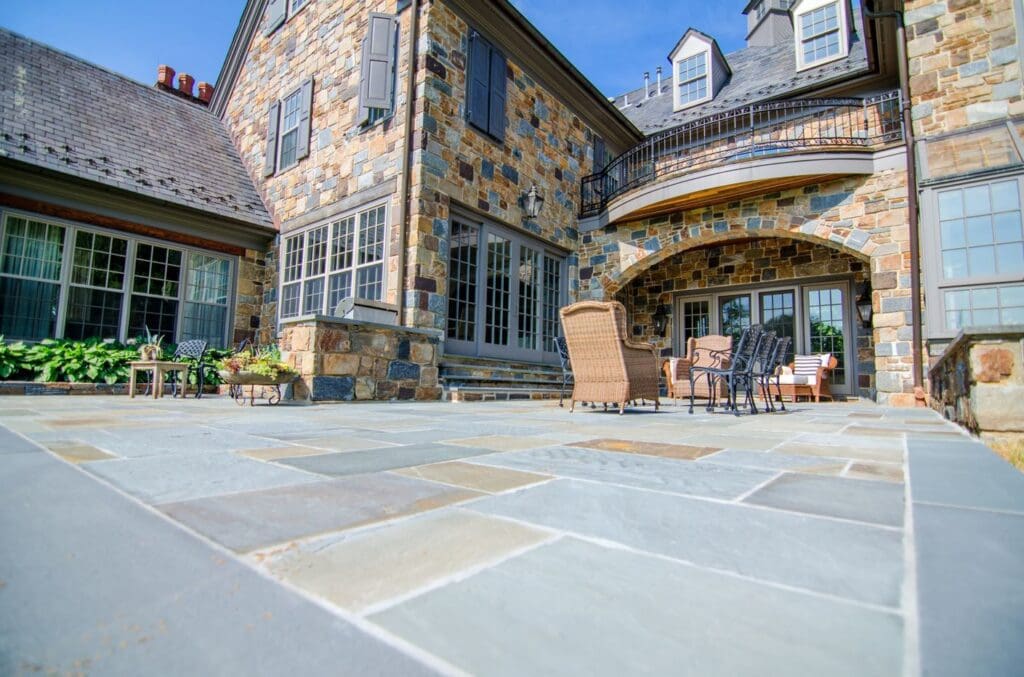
[912,206]
[406,188]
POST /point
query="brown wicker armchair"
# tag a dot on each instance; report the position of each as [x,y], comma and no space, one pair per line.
[606,366]
[707,351]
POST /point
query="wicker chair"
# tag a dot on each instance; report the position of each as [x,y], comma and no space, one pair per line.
[707,351]
[606,366]
[807,376]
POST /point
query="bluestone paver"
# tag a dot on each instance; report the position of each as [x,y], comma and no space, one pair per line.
[861,500]
[383,458]
[964,473]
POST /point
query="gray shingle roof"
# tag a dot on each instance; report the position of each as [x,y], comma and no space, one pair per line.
[758,74]
[63,114]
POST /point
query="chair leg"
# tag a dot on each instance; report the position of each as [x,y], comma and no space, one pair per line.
[572,405]
[691,392]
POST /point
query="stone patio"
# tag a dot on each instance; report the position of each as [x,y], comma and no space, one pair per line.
[517,538]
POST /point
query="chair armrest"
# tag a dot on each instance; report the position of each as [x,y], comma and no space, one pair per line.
[640,346]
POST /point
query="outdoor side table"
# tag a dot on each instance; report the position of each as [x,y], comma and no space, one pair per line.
[159,369]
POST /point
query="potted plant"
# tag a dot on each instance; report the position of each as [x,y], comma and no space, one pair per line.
[150,349]
[262,367]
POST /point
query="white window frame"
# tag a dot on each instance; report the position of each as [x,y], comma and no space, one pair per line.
[800,10]
[282,131]
[694,45]
[307,276]
[936,284]
[705,76]
[71,229]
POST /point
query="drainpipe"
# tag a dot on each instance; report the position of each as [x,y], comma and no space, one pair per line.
[912,207]
[406,189]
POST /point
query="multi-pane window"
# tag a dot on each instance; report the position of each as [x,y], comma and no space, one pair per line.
[696,319]
[332,262]
[290,129]
[819,33]
[504,293]
[98,270]
[65,281]
[295,5]
[981,248]
[693,78]
[30,278]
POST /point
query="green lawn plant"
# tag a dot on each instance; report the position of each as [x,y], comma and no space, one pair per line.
[89,361]
[12,359]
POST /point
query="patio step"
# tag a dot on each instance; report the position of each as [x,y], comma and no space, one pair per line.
[465,379]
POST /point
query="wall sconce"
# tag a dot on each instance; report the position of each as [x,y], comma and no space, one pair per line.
[864,309]
[532,202]
[661,317]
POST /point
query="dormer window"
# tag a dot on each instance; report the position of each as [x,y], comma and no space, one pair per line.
[693,78]
[699,70]
[822,32]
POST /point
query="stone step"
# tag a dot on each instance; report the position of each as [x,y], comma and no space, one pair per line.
[489,392]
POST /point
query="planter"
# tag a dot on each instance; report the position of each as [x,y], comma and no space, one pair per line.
[247,378]
[149,353]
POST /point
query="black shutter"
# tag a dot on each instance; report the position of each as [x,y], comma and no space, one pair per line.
[270,156]
[600,154]
[496,114]
[305,113]
[478,96]
[377,70]
[276,10]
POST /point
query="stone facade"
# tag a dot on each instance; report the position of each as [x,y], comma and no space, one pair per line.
[769,261]
[978,381]
[347,360]
[863,217]
[546,144]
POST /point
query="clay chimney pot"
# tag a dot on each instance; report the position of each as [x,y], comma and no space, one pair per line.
[205,92]
[185,83]
[165,76]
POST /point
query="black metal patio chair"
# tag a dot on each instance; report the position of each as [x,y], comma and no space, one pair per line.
[563,357]
[194,349]
[770,372]
[764,357]
[735,372]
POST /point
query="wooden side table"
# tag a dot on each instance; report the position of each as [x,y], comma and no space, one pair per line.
[159,369]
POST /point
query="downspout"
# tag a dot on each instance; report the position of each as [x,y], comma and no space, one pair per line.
[406,189]
[912,207]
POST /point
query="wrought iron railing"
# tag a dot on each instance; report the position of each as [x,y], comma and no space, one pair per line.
[759,130]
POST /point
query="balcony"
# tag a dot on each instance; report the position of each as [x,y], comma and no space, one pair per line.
[744,151]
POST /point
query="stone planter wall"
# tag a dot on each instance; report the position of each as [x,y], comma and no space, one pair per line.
[978,381]
[343,360]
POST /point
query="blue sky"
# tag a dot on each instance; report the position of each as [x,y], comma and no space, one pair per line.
[611,42]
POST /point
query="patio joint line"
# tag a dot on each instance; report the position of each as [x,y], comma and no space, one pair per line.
[382,634]
[486,494]
[954,506]
[616,545]
[908,591]
[759,487]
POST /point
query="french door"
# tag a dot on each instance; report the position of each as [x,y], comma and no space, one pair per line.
[504,293]
[816,317]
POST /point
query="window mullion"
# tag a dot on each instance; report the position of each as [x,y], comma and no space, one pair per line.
[67,261]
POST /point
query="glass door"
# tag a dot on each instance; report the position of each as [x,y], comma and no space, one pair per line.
[778,314]
[828,330]
[734,315]
[694,320]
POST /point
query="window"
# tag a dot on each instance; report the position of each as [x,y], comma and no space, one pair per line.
[819,34]
[68,281]
[504,293]
[485,98]
[980,245]
[693,79]
[288,129]
[332,262]
[279,11]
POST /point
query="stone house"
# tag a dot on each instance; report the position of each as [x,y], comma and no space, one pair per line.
[122,207]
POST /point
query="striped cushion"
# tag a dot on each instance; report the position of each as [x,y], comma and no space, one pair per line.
[806,365]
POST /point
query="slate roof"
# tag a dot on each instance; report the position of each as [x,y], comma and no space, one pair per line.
[758,74]
[64,114]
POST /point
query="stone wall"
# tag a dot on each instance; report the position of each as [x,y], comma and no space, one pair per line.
[864,216]
[978,381]
[545,144]
[772,261]
[347,360]
[964,63]
[255,279]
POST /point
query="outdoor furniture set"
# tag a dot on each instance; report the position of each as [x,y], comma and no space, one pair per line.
[603,366]
[172,371]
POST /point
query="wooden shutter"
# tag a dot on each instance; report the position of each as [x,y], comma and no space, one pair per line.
[270,156]
[377,77]
[276,13]
[600,154]
[478,96]
[496,113]
[305,113]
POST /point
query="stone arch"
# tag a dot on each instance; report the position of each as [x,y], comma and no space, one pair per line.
[855,243]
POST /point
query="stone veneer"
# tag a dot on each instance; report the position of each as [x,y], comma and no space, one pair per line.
[546,144]
[772,261]
[341,359]
[864,216]
[978,381]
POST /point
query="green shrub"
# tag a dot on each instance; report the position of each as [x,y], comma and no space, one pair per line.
[12,360]
[89,361]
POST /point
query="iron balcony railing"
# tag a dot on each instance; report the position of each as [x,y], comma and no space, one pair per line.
[759,130]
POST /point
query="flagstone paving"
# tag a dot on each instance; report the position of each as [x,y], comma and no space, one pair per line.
[507,538]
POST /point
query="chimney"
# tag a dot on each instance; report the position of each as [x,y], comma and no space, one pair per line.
[205,92]
[165,76]
[185,82]
[658,71]
[647,85]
